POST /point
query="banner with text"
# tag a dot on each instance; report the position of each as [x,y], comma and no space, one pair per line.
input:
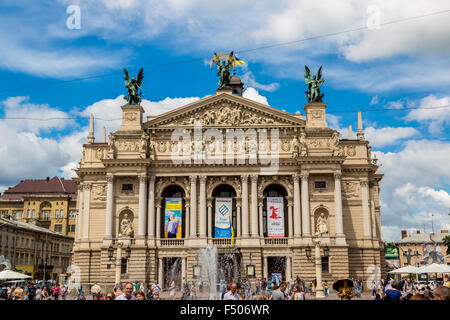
[173,217]
[222,226]
[275,217]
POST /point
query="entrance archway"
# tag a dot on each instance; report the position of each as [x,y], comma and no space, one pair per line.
[275,190]
[276,265]
[224,191]
[172,271]
[173,191]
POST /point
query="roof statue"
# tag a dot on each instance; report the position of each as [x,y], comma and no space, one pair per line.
[313,95]
[225,62]
[134,87]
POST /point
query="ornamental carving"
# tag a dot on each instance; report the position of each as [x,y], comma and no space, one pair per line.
[99,192]
[319,143]
[226,115]
[316,114]
[100,153]
[285,145]
[350,189]
[162,147]
[351,151]
[127,145]
[130,116]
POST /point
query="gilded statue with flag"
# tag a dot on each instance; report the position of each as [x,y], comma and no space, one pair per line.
[225,62]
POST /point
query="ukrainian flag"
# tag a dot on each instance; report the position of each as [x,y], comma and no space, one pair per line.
[238,62]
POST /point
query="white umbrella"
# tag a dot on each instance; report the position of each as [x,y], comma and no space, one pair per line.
[435,268]
[12,275]
[407,269]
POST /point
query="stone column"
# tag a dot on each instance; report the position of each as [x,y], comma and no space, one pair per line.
[297,215]
[202,206]
[210,219]
[288,269]
[142,206]
[151,207]
[79,211]
[365,208]
[261,220]
[254,225]
[265,268]
[244,212]
[109,206]
[187,224]
[305,205]
[372,211]
[238,221]
[318,260]
[158,220]
[193,221]
[118,261]
[183,269]
[291,220]
[340,237]
[87,204]
[160,272]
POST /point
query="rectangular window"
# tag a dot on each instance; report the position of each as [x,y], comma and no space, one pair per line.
[127,187]
[27,243]
[46,214]
[72,228]
[28,213]
[320,184]
[33,213]
[325,265]
[56,213]
[73,214]
[58,227]
[123,266]
[61,213]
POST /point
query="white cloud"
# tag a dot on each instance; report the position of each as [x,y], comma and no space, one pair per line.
[253,94]
[375,100]
[249,80]
[386,136]
[413,187]
[430,114]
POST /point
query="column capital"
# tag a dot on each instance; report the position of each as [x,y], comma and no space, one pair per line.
[80,186]
[203,179]
[337,175]
[193,179]
[254,178]
[244,178]
[109,178]
[364,183]
[142,178]
[296,177]
[304,175]
[152,179]
[87,186]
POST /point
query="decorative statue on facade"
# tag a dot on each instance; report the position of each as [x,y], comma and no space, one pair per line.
[126,228]
[134,87]
[143,146]
[152,149]
[321,225]
[303,147]
[335,144]
[295,147]
[313,95]
[111,141]
[224,65]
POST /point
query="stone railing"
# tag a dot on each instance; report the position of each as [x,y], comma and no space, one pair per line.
[276,241]
[172,242]
[222,242]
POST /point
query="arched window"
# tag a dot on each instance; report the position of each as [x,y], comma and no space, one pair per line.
[224,191]
[275,190]
[173,191]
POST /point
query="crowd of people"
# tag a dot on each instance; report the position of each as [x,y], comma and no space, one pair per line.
[293,289]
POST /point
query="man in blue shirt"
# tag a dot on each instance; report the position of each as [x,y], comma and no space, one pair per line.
[394,294]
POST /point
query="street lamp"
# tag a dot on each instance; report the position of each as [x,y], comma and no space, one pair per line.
[308,252]
[128,252]
[318,257]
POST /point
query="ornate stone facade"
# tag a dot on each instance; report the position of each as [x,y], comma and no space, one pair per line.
[323,182]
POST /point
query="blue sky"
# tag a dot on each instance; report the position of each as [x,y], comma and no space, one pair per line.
[399,65]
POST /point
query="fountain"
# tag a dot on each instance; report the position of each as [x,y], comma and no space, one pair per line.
[208,262]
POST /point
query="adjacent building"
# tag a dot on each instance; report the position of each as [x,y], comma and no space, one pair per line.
[34,250]
[416,248]
[49,203]
[282,181]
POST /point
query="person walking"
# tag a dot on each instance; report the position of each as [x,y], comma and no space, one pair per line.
[56,292]
[172,290]
[325,288]
[233,293]
[278,293]
[297,294]
[394,294]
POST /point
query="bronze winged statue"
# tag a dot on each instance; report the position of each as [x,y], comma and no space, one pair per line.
[134,87]
[313,95]
[224,65]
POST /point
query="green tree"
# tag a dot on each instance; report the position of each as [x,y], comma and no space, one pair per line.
[447,243]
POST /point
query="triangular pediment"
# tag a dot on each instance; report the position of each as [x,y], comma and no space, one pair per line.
[225,110]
